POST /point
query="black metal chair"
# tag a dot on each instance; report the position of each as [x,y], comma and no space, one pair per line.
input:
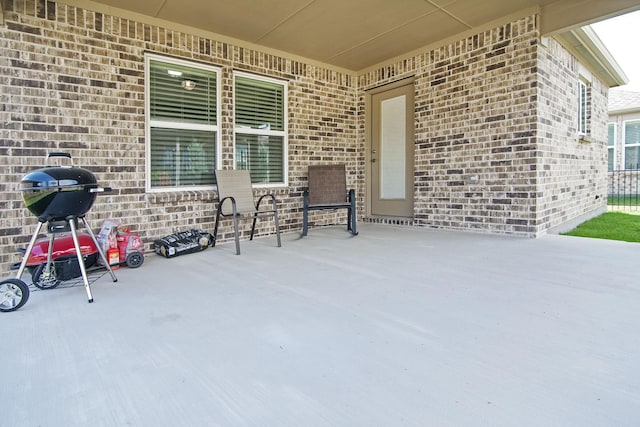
[234,188]
[328,191]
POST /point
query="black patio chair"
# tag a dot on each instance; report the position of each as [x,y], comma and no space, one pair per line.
[328,191]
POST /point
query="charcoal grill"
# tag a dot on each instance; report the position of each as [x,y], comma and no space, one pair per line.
[56,194]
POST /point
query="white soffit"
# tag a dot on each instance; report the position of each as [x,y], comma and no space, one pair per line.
[351,35]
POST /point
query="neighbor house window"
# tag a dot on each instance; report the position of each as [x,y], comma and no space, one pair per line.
[182,123]
[261,128]
[611,132]
[632,144]
[583,108]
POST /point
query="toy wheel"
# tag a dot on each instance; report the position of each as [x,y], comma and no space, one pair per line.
[45,278]
[134,259]
[14,293]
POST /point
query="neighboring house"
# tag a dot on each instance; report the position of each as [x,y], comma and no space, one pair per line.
[624,143]
[624,130]
[501,129]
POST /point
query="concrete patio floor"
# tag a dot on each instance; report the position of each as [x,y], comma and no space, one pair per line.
[395,327]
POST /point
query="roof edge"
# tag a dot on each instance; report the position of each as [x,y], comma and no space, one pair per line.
[623,111]
[585,44]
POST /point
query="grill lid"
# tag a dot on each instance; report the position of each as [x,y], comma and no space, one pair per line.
[58,178]
[55,193]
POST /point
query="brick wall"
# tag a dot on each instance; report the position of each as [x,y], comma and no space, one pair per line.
[571,171]
[74,82]
[475,114]
[495,150]
[496,142]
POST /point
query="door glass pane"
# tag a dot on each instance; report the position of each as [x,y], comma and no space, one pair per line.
[392,148]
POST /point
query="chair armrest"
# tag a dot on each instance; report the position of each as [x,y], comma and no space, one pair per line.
[233,205]
[273,201]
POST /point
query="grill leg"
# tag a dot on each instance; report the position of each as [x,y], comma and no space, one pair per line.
[25,258]
[50,252]
[83,270]
[103,258]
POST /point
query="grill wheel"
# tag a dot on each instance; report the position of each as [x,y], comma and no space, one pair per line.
[45,278]
[14,293]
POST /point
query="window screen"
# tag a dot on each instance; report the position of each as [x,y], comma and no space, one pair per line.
[632,145]
[611,135]
[260,128]
[582,108]
[182,116]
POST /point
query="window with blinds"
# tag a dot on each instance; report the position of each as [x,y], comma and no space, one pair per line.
[632,145]
[182,123]
[582,108]
[260,128]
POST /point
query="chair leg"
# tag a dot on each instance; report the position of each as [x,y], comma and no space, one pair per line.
[274,206]
[305,214]
[253,226]
[353,223]
[234,211]
[215,228]
[352,213]
[235,230]
[275,220]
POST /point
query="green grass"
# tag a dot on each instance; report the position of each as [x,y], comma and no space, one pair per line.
[611,226]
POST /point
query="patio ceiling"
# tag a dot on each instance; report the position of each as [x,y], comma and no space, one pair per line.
[355,34]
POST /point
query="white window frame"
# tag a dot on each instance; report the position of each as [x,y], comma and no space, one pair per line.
[148,57]
[624,144]
[583,107]
[266,132]
[615,143]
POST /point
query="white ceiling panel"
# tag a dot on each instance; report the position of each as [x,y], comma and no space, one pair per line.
[355,34]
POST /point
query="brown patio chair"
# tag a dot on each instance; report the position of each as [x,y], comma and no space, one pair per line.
[235,199]
[328,191]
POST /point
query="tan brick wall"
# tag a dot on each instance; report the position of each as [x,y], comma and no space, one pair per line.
[475,117]
[75,82]
[572,173]
[484,108]
[501,107]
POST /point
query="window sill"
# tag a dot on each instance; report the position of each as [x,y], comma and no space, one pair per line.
[179,196]
[585,139]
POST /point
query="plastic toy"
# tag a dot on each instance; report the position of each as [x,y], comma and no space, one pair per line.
[64,264]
